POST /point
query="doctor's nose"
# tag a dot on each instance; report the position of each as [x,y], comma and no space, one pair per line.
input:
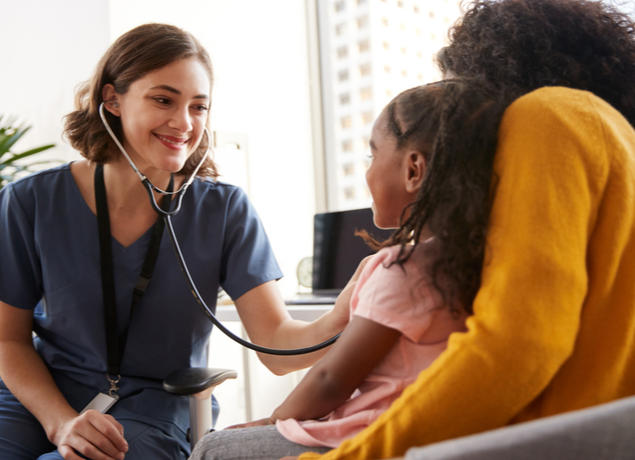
[181,119]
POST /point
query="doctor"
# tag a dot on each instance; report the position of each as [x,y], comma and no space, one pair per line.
[80,242]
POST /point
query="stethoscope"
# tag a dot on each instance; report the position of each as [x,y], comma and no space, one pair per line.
[166,215]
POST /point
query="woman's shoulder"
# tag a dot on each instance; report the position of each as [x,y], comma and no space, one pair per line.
[214,195]
[558,107]
[208,185]
[42,181]
[556,124]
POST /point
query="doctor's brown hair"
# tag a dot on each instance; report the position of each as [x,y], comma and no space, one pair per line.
[133,55]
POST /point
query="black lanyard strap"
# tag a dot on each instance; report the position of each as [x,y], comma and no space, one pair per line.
[116,343]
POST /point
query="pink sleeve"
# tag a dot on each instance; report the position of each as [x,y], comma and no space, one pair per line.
[396,297]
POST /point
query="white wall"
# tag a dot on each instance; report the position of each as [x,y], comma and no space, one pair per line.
[47,49]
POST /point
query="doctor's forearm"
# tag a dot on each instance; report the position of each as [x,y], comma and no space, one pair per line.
[25,374]
[300,334]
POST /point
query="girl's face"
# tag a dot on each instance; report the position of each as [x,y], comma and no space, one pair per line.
[163,114]
[387,177]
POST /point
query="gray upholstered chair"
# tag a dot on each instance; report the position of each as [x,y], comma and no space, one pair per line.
[603,432]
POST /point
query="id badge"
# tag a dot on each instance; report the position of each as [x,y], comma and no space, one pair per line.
[101,403]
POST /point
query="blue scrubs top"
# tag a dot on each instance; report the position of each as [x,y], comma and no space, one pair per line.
[49,250]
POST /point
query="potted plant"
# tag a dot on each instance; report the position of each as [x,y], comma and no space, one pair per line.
[17,164]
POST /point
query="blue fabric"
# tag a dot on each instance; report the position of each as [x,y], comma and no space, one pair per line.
[50,254]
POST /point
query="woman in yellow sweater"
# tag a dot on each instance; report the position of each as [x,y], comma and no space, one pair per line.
[553,328]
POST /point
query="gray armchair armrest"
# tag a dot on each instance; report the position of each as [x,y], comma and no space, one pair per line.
[603,432]
[198,383]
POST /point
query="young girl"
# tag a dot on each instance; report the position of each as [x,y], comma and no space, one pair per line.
[431,154]
[153,88]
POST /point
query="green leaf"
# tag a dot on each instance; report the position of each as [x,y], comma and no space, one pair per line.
[28,153]
[14,164]
[8,141]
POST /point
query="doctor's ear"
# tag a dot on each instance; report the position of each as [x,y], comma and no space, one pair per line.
[109,96]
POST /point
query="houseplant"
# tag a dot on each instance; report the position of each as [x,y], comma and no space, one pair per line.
[17,164]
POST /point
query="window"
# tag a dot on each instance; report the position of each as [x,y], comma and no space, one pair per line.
[359,82]
[348,169]
[362,22]
[364,69]
[368,117]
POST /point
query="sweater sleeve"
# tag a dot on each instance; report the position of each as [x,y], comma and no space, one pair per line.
[551,166]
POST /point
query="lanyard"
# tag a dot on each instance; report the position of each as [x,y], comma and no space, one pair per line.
[116,343]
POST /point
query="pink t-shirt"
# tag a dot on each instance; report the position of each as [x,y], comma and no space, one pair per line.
[404,300]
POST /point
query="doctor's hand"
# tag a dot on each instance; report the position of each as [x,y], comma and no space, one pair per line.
[342,304]
[93,434]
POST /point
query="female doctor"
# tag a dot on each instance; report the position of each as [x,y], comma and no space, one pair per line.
[76,238]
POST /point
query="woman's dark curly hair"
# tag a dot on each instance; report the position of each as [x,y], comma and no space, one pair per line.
[454,124]
[139,51]
[521,45]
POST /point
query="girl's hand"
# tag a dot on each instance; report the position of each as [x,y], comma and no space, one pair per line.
[260,422]
[93,434]
[289,458]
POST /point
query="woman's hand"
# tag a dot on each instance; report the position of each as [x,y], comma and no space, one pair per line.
[259,422]
[342,304]
[93,434]
[22,370]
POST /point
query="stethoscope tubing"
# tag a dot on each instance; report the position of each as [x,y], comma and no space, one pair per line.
[166,216]
[210,314]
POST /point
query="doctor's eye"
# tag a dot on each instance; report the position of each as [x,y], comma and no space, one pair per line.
[162,100]
[201,108]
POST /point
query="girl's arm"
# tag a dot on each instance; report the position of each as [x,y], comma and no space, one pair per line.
[361,347]
[22,370]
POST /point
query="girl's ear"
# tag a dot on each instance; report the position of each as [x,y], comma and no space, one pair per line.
[415,171]
[110,98]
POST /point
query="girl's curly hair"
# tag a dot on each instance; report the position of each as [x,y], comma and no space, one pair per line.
[136,53]
[521,45]
[454,124]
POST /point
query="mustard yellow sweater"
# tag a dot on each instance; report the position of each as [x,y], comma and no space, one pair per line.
[554,321]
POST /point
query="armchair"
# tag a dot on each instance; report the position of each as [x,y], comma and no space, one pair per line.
[603,432]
